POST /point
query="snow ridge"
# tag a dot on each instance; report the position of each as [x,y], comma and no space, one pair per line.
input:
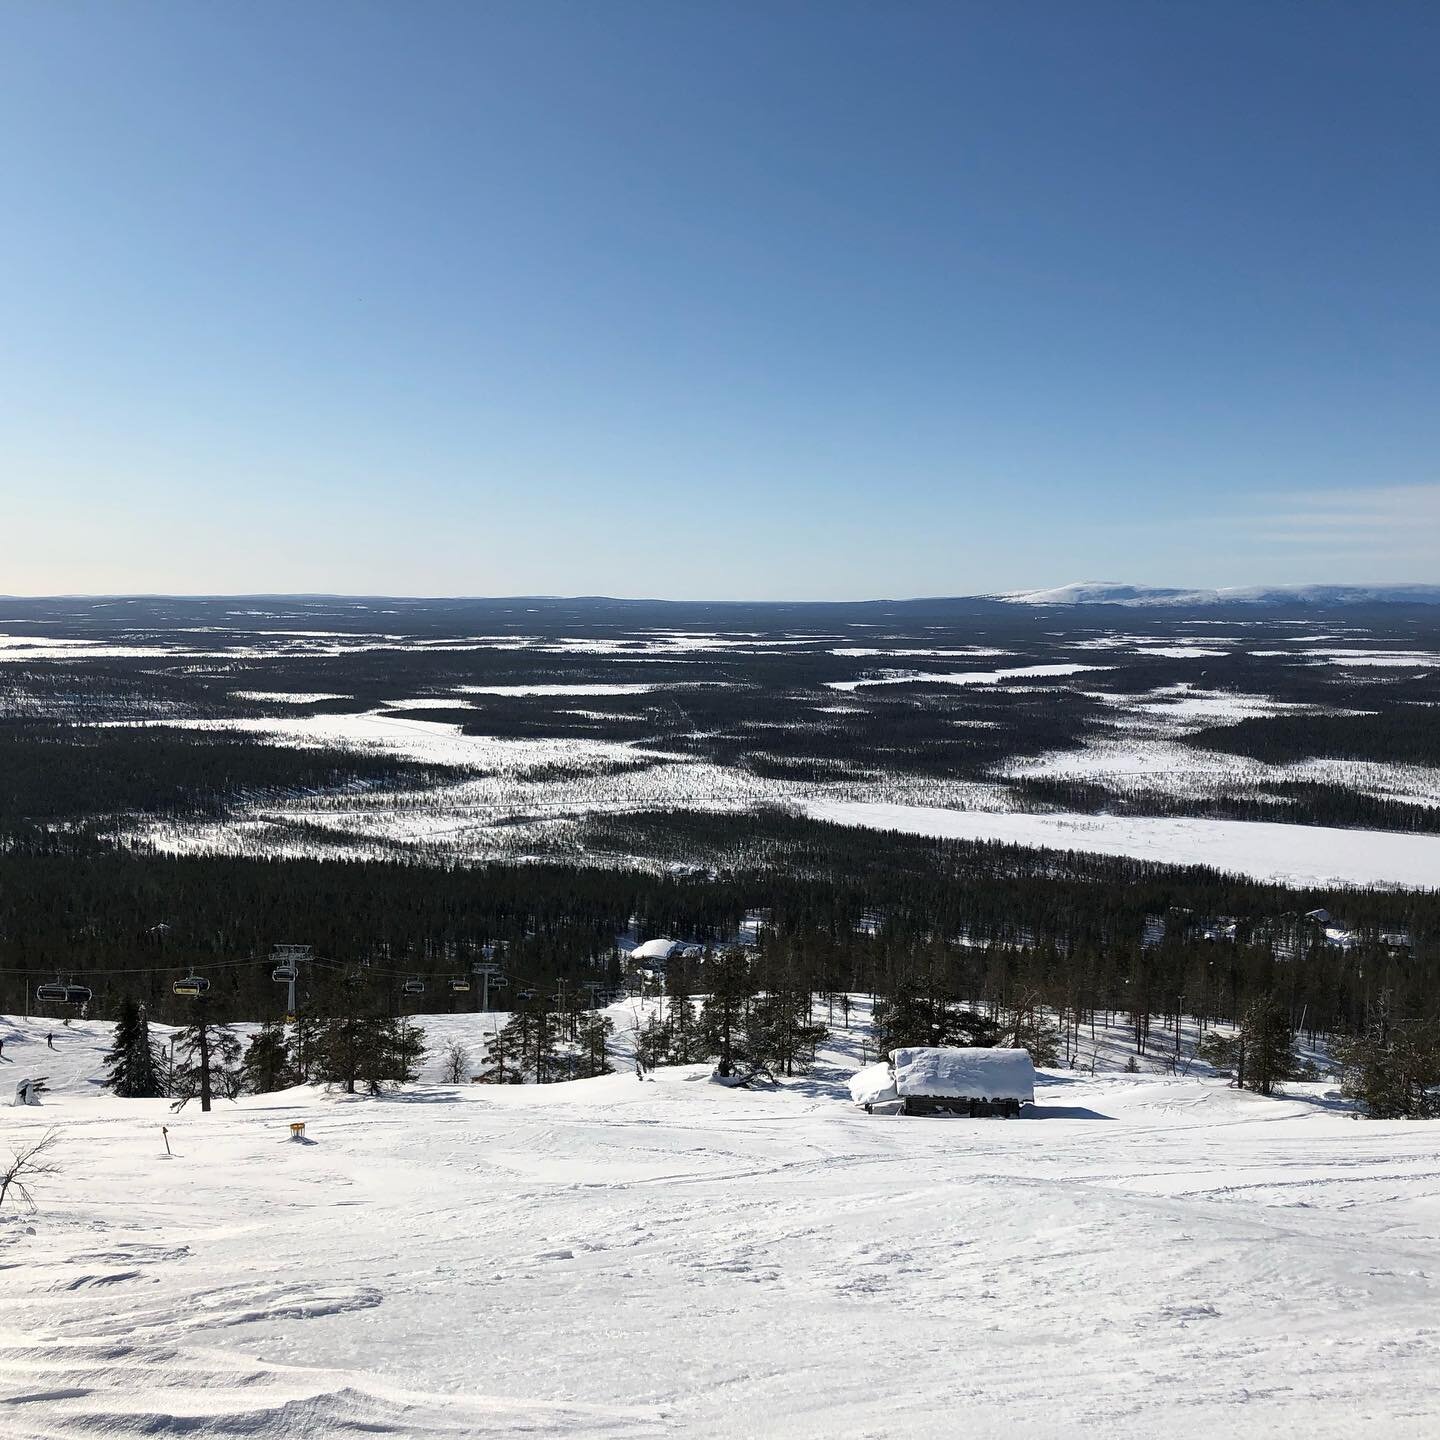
[1115,592]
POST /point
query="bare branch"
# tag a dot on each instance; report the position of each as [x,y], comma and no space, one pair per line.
[30,1163]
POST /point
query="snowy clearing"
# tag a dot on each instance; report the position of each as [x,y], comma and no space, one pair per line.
[672,1258]
[288,697]
[1288,854]
[965,677]
[598,689]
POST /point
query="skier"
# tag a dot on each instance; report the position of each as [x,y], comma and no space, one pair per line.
[50,1039]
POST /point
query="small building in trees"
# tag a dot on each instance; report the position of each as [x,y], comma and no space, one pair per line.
[946,1080]
[655,953]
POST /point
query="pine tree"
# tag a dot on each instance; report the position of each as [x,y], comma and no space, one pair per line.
[1267,1046]
[594,1032]
[268,1063]
[1028,1028]
[722,1021]
[652,1042]
[132,1069]
[680,1018]
[369,1050]
[528,1040]
[780,1032]
[207,1063]
[1221,1052]
[304,1043]
[500,1067]
[913,1014]
[1393,1067]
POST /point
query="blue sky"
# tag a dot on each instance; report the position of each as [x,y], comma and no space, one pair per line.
[734,300]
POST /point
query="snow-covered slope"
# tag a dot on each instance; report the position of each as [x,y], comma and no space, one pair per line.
[1114,592]
[672,1258]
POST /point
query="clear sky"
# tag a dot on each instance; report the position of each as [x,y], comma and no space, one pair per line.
[738,299]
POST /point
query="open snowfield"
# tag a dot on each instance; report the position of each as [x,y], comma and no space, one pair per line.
[1141,1255]
[1289,854]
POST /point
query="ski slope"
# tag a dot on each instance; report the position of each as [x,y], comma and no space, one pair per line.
[667,1257]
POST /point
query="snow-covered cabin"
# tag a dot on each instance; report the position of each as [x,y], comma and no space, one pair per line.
[658,953]
[946,1080]
[655,952]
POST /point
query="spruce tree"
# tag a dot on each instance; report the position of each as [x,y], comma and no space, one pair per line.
[131,1068]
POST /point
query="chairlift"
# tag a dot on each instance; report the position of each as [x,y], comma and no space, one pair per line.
[192,987]
[459,985]
[525,994]
[284,974]
[413,986]
[62,992]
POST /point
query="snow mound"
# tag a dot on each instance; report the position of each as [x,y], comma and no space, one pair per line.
[874,1085]
[964,1074]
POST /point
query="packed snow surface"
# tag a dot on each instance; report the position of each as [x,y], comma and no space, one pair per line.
[956,1073]
[1138,1255]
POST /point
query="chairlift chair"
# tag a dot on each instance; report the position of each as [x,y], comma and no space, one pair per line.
[62,992]
[459,985]
[285,973]
[413,986]
[191,987]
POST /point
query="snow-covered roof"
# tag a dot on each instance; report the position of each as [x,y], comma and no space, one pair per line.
[963,1074]
[655,950]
